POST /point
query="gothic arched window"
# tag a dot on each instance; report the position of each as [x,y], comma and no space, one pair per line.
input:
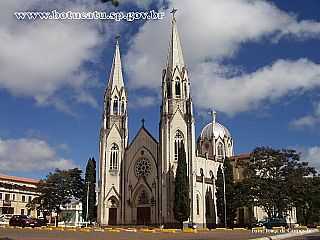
[198,203]
[178,142]
[122,107]
[114,155]
[211,174]
[178,88]
[115,105]
[220,150]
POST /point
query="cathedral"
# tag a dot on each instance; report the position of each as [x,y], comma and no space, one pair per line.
[137,179]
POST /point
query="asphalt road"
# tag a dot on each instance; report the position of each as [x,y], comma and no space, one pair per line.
[313,236]
[29,234]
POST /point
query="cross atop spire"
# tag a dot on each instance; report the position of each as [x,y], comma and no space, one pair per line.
[175,57]
[116,77]
[173,12]
[213,114]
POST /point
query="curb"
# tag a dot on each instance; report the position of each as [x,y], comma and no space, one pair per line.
[287,235]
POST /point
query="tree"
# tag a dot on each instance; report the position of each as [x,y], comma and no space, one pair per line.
[182,200]
[270,178]
[233,194]
[57,190]
[306,197]
[90,184]
[114,2]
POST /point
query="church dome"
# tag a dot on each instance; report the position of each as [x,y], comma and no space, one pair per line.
[218,130]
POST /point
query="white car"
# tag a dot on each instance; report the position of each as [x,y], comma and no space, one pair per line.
[5,218]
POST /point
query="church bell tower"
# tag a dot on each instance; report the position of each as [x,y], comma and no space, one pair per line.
[176,123]
[112,144]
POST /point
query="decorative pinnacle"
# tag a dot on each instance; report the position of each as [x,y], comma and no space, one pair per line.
[142,121]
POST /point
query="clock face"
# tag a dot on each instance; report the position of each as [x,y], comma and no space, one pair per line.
[143,168]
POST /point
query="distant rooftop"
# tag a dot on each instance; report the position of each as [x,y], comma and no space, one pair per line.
[242,156]
[18,179]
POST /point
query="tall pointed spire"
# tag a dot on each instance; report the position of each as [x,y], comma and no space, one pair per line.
[175,57]
[116,78]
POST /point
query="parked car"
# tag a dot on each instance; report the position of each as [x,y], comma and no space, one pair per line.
[22,221]
[271,222]
[41,222]
[5,218]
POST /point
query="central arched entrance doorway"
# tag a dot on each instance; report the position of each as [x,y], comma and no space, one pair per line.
[143,208]
[143,215]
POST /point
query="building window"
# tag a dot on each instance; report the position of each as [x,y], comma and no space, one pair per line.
[178,88]
[220,150]
[198,203]
[13,197]
[22,211]
[115,105]
[23,198]
[114,157]
[0,196]
[211,174]
[178,143]
[201,172]
[30,199]
[7,197]
[122,107]
[143,168]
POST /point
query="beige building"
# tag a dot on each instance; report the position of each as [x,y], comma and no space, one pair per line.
[15,193]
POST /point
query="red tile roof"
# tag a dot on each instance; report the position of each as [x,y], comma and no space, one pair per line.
[18,179]
[242,156]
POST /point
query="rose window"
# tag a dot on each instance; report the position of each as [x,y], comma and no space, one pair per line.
[143,168]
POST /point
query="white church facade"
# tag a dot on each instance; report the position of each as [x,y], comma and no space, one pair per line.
[136,180]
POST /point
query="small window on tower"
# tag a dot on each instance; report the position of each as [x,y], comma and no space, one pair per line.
[115,105]
[220,150]
[178,88]
[122,107]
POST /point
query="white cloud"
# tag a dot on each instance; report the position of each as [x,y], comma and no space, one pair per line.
[213,31]
[30,155]
[39,58]
[248,91]
[312,155]
[308,120]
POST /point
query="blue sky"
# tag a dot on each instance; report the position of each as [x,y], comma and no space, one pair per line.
[256,62]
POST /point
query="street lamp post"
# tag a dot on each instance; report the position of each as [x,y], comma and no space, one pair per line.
[224,197]
[87,210]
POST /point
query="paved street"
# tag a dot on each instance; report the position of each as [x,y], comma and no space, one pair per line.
[313,236]
[29,234]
